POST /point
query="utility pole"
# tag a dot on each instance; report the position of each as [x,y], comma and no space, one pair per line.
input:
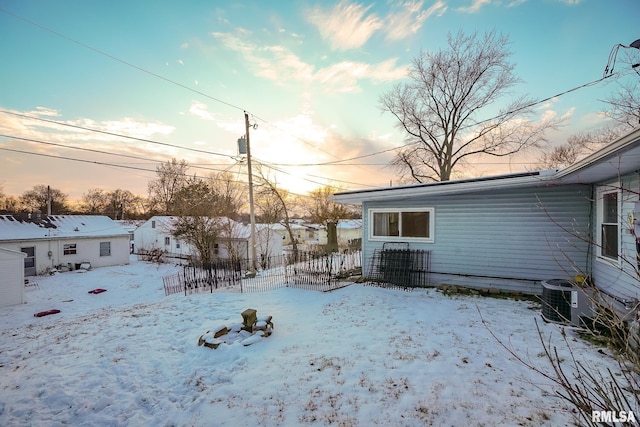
[252,264]
[48,200]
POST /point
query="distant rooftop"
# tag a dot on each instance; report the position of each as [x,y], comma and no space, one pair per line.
[35,226]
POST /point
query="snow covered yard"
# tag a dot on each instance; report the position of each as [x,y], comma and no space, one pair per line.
[358,356]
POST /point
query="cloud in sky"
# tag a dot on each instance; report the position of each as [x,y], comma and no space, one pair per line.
[475,6]
[409,18]
[350,25]
[73,135]
[345,26]
[201,111]
[281,65]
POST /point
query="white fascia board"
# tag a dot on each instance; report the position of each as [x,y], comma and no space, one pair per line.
[534,179]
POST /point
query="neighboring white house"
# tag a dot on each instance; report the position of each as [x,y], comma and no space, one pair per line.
[64,241]
[513,231]
[299,231]
[130,225]
[12,277]
[157,234]
[349,231]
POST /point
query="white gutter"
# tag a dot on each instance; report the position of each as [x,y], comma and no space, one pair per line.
[610,150]
[530,179]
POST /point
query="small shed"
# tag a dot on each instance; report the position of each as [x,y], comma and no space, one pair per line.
[12,277]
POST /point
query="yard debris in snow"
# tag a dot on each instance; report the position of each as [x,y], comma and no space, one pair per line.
[97,291]
[249,332]
[46,313]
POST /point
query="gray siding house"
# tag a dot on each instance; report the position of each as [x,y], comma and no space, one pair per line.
[510,232]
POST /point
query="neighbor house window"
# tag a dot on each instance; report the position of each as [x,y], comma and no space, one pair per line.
[401,224]
[69,249]
[167,241]
[153,224]
[105,248]
[177,244]
[608,221]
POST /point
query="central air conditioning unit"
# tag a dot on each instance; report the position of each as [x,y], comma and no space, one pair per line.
[563,302]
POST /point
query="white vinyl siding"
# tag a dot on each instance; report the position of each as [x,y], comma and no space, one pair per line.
[619,277]
[508,239]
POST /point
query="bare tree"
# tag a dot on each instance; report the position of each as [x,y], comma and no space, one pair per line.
[119,201]
[577,147]
[443,106]
[232,194]
[171,179]
[280,204]
[322,209]
[94,201]
[38,197]
[9,204]
[117,204]
[624,105]
[198,224]
[207,207]
[580,145]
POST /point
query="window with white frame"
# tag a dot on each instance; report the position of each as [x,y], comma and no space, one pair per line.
[167,240]
[401,224]
[105,248]
[608,239]
[69,249]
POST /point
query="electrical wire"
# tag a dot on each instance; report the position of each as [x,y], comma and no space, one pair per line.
[93,150]
[26,116]
[608,73]
[103,53]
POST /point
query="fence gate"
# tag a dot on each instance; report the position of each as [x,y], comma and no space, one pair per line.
[396,265]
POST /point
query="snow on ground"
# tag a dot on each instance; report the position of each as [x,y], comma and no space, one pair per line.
[358,356]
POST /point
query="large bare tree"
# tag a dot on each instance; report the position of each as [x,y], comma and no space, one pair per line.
[172,176]
[37,199]
[276,202]
[445,106]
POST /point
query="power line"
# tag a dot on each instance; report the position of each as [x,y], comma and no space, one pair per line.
[92,150]
[26,116]
[337,162]
[103,53]
[532,104]
[129,167]
[108,164]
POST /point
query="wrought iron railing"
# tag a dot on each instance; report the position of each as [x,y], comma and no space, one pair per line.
[308,270]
